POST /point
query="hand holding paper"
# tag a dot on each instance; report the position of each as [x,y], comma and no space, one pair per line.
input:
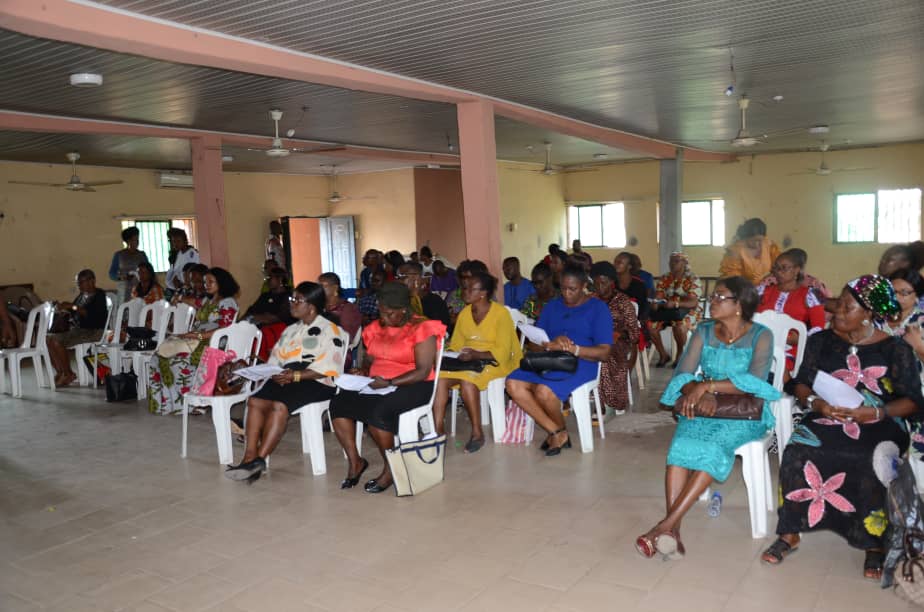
[836,392]
[534,334]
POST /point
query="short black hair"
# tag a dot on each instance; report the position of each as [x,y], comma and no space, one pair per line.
[487,282]
[512,258]
[471,266]
[744,293]
[558,254]
[395,258]
[227,286]
[541,268]
[798,256]
[331,277]
[575,272]
[86,273]
[425,251]
[130,232]
[912,277]
[750,228]
[147,266]
[201,268]
[634,262]
[179,233]
[189,265]
[554,247]
[314,293]
[415,265]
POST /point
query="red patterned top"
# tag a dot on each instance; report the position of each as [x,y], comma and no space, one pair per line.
[392,348]
[801,304]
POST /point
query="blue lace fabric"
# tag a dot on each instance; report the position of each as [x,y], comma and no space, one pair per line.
[706,444]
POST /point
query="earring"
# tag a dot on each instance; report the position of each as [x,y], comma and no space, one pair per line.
[865,322]
[737,313]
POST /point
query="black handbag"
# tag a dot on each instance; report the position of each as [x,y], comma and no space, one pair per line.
[667,315]
[121,387]
[140,339]
[541,362]
[454,364]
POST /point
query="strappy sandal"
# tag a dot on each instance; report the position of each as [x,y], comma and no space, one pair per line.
[872,565]
[778,551]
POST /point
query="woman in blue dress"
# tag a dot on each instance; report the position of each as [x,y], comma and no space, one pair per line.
[729,354]
[580,324]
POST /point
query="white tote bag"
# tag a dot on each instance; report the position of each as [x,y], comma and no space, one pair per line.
[417,466]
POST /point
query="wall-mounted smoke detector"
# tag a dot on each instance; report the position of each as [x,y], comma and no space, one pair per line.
[86,79]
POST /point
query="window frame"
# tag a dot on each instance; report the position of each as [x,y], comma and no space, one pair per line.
[600,206]
[712,200]
[185,221]
[875,194]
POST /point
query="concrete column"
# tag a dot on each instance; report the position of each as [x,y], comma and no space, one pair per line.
[669,208]
[209,196]
[481,201]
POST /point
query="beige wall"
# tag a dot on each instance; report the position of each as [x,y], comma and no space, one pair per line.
[382,206]
[439,212]
[798,207]
[534,202]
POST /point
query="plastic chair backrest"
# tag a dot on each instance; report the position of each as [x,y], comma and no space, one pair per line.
[356,340]
[439,364]
[243,338]
[183,315]
[39,321]
[158,310]
[110,322]
[781,324]
[518,319]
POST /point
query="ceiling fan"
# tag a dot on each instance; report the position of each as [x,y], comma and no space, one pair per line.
[276,147]
[74,184]
[743,138]
[549,169]
[823,169]
[335,196]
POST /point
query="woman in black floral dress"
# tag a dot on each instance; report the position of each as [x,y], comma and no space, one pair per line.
[839,460]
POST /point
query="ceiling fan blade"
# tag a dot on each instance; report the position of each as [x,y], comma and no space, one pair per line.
[804,172]
[101,183]
[576,170]
[85,188]
[36,183]
[851,169]
[318,151]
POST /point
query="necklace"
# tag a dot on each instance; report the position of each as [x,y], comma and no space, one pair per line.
[732,338]
[869,334]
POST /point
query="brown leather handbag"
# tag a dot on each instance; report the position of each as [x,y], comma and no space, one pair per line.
[732,406]
[226,382]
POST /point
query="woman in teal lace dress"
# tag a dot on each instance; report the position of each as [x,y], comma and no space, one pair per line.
[728,354]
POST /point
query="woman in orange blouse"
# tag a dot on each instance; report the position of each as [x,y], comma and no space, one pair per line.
[752,255]
[401,350]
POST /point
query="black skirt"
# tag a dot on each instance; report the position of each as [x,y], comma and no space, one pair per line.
[296,394]
[380,411]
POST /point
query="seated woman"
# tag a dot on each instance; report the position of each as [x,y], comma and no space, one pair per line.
[677,296]
[541,279]
[401,350]
[484,330]
[310,351]
[464,272]
[614,377]
[368,304]
[577,323]
[789,295]
[815,284]
[193,291]
[178,356]
[834,470]
[87,316]
[423,302]
[271,310]
[147,288]
[347,313]
[733,355]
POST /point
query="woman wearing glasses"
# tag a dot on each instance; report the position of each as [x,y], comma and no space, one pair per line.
[728,354]
[311,352]
[789,295]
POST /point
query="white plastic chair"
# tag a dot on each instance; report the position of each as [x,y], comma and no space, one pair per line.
[84,378]
[580,404]
[310,418]
[780,325]
[141,360]
[36,325]
[127,312]
[244,339]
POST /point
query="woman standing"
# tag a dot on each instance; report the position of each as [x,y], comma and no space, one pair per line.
[124,266]
[752,254]
[677,296]
[734,356]
[310,351]
[178,356]
[835,469]
[579,324]
[614,377]
[401,350]
[484,331]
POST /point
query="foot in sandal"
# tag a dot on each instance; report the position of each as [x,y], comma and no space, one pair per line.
[779,550]
[872,565]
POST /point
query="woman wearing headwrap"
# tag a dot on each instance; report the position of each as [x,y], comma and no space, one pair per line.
[614,376]
[677,303]
[401,350]
[835,469]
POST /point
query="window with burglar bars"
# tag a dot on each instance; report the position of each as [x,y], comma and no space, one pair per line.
[884,216]
[153,240]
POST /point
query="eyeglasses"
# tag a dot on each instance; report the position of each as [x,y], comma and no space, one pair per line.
[776,268]
[295,300]
[904,292]
[718,297]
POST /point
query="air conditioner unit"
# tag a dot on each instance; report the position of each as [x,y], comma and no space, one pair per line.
[176,181]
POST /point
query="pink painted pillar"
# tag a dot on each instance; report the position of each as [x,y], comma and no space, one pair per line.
[481,201]
[209,196]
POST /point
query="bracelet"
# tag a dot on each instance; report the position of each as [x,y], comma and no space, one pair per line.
[712,386]
[577,350]
[297,376]
[879,412]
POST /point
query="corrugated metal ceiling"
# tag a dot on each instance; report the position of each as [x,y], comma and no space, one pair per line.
[654,67]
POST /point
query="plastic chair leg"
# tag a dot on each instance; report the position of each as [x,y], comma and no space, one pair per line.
[645,358]
[185,410]
[221,419]
[495,396]
[755,469]
[485,407]
[453,410]
[639,375]
[580,403]
[598,405]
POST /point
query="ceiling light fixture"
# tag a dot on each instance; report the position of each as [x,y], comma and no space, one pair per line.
[227,158]
[86,79]
[819,129]
[601,155]
[778,98]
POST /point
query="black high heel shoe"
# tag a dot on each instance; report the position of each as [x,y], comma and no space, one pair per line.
[351,481]
[556,450]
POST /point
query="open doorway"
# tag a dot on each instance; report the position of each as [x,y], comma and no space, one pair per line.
[320,244]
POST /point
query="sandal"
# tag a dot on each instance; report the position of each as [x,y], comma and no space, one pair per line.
[645,546]
[778,551]
[872,565]
[474,445]
[556,450]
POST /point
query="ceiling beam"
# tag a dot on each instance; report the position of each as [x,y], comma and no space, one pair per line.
[33,122]
[124,32]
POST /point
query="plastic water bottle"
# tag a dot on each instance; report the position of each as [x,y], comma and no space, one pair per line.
[715,505]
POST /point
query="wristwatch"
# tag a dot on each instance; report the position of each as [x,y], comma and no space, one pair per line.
[810,400]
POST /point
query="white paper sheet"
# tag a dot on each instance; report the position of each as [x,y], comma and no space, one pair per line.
[534,334]
[352,382]
[836,392]
[259,372]
[382,391]
[453,354]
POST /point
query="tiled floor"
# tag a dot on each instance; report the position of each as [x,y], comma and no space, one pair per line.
[99,512]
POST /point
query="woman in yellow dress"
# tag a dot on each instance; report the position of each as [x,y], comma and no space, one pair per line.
[484,331]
